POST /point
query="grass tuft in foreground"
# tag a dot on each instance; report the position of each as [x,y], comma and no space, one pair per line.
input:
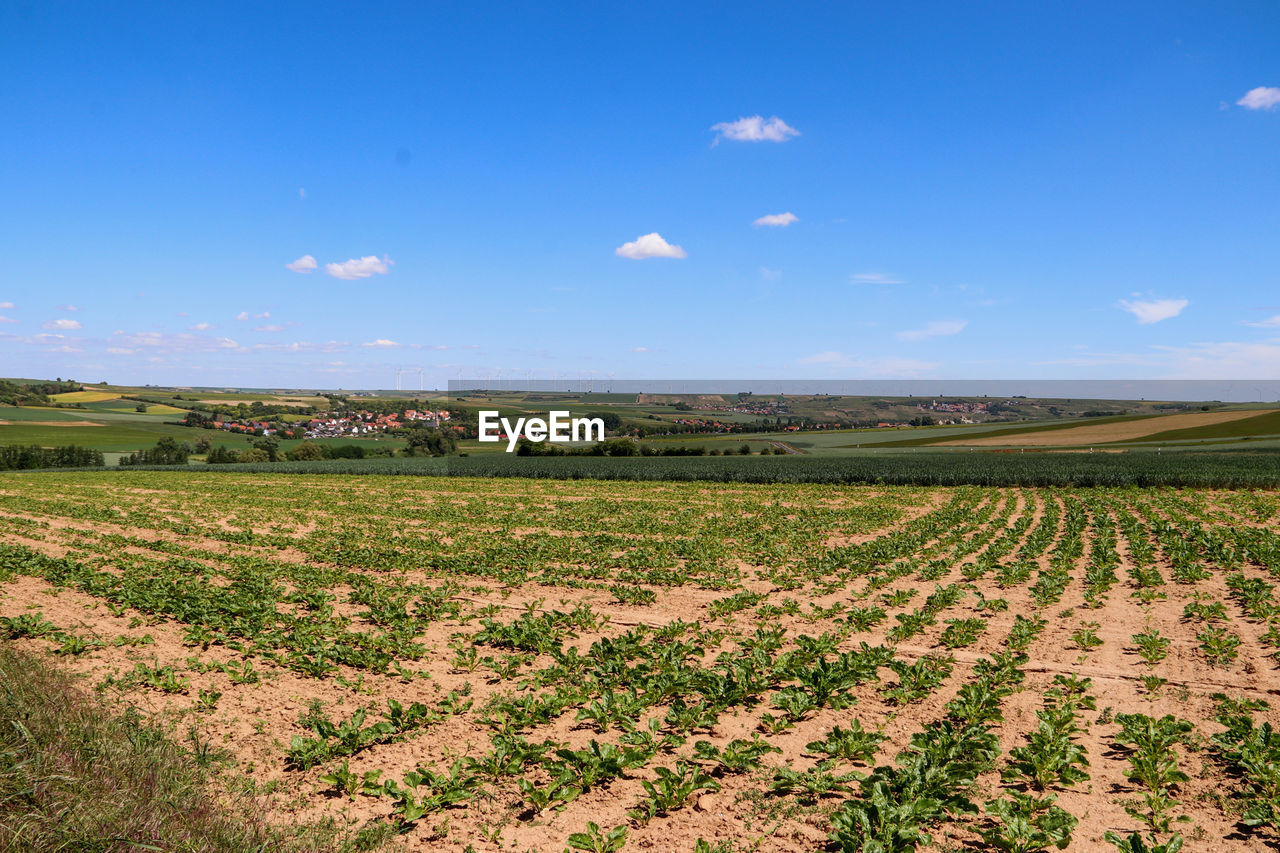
[75,776]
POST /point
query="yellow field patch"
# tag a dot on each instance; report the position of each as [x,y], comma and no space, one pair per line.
[51,423]
[1103,433]
[84,396]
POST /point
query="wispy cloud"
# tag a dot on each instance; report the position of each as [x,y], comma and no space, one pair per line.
[1269,323]
[1261,98]
[4,305]
[304,264]
[273,327]
[776,220]
[639,349]
[62,324]
[4,319]
[360,267]
[182,342]
[879,366]
[304,346]
[875,278]
[1153,310]
[200,327]
[936,329]
[754,129]
[242,316]
[382,343]
[68,308]
[1204,360]
[649,246]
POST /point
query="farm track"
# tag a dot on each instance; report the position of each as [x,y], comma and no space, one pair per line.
[526,612]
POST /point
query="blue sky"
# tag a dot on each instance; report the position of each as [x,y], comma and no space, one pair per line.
[975,190]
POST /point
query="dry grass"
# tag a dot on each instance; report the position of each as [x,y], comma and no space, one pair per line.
[76,776]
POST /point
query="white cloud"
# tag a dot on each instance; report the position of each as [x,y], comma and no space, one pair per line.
[4,319]
[754,129]
[265,315]
[777,220]
[880,366]
[938,328]
[242,316]
[304,346]
[62,325]
[1225,360]
[649,246]
[200,327]
[1261,98]
[182,342]
[302,192]
[360,268]
[274,327]
[1269,323]
[639,349]
[1153,310]
[120,351]
[381,343]
[68,308]
[6,304]
[304,264]
[874,278]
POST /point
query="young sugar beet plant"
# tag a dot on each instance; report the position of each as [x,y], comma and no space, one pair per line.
[1252,754]
[1153,764]
[1052,758]
[934,777]
[1023,823]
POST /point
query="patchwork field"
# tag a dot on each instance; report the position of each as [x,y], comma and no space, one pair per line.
[1122,430]
[505,664]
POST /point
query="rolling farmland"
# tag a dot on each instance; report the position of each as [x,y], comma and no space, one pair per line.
[536,664]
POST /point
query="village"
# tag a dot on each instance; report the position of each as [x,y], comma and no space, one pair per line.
[346,424]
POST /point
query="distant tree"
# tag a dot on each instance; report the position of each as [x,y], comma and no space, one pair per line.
[430,442]
[222,455]
[269,445]
[343,451]
[255,454]
[203,444]
[305,452]
[166,452]
[612,420]
[14,457]
[616,447]
[141,408]
[744,450]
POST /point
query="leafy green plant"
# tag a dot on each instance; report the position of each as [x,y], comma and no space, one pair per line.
[1023,823]
[962,632]
[854,744]
[813,784]
[595,840]
[1133,843]
[1086,636]
[1152,647]
[671,789]
[1219,645]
